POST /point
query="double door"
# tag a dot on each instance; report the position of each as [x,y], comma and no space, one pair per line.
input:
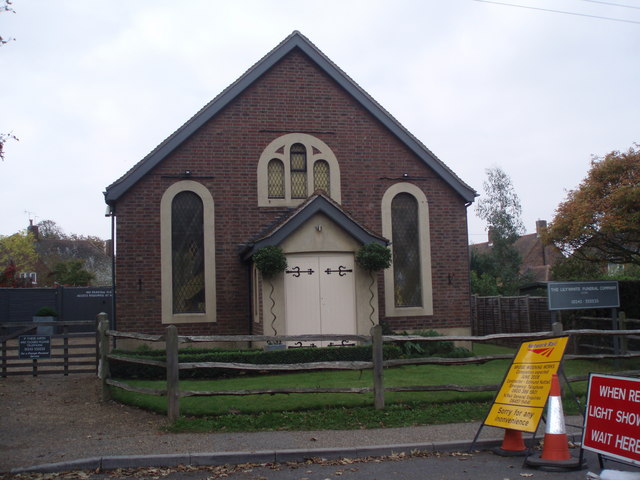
[320,295]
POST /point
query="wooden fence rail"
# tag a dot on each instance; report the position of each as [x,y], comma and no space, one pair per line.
[173,366]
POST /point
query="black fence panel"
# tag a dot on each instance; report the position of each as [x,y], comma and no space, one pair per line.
[71,303]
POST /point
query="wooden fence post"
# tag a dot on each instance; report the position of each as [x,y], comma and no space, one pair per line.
[557,328]
[378,382]
[103,348]
[173,374]
[65,348]
[622,325]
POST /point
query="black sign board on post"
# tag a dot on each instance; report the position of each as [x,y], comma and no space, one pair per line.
[34,346]
[581,295]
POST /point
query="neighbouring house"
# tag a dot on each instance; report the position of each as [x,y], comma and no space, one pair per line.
[538,257]
[94,254]
[298,155]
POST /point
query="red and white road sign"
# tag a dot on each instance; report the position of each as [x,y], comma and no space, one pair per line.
[612,420]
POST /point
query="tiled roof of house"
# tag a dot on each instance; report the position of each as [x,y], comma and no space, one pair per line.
[537,258]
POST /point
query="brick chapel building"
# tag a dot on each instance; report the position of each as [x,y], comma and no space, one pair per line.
[295,154]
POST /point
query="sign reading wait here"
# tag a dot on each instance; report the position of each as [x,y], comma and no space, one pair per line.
[612,422]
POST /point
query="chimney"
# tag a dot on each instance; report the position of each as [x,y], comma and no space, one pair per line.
[33,229]
[541,226]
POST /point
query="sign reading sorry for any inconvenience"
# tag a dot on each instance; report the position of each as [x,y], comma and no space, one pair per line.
[612,422]
[522,397]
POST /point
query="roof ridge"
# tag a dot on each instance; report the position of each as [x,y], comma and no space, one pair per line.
[291,42]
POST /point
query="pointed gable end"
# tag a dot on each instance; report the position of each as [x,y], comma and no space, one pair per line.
[317,203]
[294,41]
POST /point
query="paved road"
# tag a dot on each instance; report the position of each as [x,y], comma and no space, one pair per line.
[477,466]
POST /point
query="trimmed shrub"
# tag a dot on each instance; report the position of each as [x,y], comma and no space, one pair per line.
[411,349]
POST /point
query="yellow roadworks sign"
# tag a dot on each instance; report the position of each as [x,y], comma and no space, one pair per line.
[524,391]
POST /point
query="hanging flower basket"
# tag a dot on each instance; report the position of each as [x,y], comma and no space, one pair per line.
[374,257]
[270,260]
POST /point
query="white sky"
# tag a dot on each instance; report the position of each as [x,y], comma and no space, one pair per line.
[91,86]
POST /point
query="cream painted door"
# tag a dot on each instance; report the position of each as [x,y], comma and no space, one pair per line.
[320,295]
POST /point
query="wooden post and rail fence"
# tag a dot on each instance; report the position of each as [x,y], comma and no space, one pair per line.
[377,364]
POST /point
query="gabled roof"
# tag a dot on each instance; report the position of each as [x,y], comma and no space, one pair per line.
[316,203]
[294,41]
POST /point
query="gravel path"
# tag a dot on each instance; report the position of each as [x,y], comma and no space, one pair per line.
[53,418]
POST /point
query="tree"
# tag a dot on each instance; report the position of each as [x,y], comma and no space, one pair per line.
[50,229]
[5,6]
[499,269]
[71,273]
[600,220]
[574,269]
[18,249]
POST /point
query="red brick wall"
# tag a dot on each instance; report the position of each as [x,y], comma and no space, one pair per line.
[294,96]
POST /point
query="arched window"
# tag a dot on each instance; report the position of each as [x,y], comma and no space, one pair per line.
[187,253]
[321,176]
[405,220]
[276,178]
[406,251]
[187,244]
[294,166]
[298,155]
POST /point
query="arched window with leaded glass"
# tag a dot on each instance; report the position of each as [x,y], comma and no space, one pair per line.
[187,253]
[321,179]
[187,246]
[294,166]
[405,220]
[406,251]
[275,173]
[298,157]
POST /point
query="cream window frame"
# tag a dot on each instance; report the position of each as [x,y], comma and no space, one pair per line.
[425,252]
[166,268]
[279,149]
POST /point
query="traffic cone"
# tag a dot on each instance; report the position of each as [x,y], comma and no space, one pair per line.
[512,445]
[555,450]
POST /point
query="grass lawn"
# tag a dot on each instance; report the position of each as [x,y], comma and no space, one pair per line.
[344,411]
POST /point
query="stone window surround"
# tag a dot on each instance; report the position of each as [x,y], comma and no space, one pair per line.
[271,152]
[425,252]
[166,274]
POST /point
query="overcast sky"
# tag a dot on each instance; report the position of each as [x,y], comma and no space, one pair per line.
[91,86]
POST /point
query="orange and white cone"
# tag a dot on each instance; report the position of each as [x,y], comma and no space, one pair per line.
[555,450]
[512,444]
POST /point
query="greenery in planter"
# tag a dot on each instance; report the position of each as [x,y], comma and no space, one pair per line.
[431,349]
[270,260]
[46,312]
[373,257]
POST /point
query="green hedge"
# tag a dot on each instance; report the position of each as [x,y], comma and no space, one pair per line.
[120,369]
[411,349]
